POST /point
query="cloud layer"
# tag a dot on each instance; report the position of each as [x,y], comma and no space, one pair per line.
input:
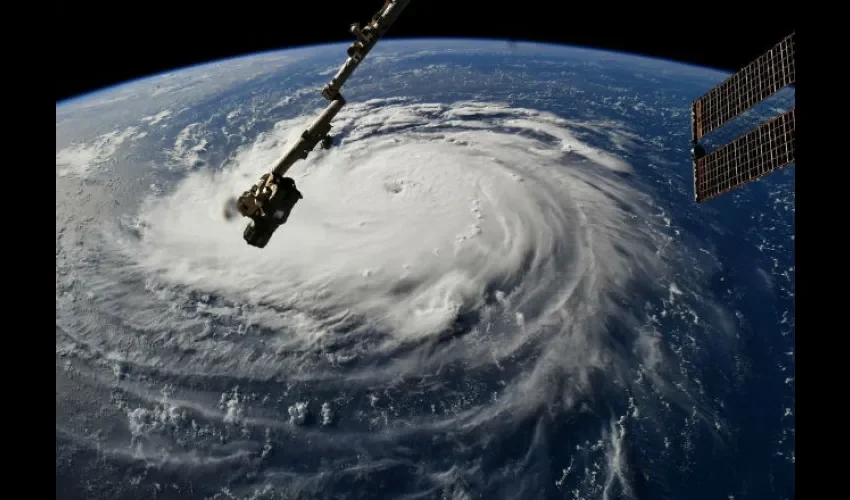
[451,268]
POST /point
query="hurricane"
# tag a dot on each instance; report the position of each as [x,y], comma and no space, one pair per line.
[464,288]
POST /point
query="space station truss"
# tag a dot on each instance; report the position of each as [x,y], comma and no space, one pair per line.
[764,149]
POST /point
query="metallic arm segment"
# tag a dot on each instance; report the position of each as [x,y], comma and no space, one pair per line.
[269,202]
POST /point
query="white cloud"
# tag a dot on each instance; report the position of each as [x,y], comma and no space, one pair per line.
[79,159]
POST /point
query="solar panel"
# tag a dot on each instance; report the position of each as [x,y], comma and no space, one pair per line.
[768,147]
[768,74]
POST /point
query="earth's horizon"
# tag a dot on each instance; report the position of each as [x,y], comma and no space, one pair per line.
[510,45]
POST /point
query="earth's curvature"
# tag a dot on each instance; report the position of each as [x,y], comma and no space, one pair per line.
[497,285]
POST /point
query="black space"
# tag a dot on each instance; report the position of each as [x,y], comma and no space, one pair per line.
[99,44]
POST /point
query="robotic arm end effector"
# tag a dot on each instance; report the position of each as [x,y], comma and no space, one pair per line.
[268,204]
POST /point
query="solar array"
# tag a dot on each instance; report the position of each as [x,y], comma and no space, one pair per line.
[766,148]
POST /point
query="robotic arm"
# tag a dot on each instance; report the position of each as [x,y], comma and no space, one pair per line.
[269,202]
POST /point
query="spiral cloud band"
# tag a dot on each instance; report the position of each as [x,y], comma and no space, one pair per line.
[451,268]
[420,215]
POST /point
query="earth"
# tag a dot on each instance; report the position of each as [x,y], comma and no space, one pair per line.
[497,285]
